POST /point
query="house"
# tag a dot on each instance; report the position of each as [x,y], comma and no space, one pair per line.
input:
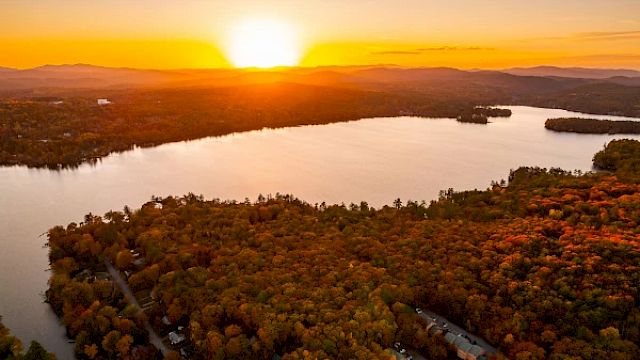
[476,353]
[463,350]
[450,338]
[175,338]
[102,102]
[460,341]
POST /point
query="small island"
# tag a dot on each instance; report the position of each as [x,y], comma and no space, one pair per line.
[481,115]
[592,126]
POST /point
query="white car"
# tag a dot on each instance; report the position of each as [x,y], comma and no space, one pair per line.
[418,310]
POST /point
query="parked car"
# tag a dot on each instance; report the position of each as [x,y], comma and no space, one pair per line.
[419,311]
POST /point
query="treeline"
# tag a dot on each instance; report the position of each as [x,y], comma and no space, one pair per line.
[599,98]
[481,115]
[547,266]
[593,126]
[620,156]
[74,129]
[11,348]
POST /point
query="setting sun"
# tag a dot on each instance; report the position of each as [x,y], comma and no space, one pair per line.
[263,43]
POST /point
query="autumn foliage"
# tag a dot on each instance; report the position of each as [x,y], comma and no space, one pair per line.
[546,267]
[11,348]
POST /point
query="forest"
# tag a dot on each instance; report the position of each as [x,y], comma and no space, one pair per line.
[59,132]
[42,125]
[11,348]
[596,98]
[593,126]
[545,265]
[481,115]
[621,157]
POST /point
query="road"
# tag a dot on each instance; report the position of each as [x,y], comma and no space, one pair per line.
[457,330]
[128,294]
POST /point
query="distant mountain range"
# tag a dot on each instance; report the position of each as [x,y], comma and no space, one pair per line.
[80,76]
[572,72]
[601,91]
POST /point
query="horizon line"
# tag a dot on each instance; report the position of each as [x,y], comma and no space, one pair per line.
[277,68]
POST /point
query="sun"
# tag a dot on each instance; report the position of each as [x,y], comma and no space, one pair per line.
[263,43]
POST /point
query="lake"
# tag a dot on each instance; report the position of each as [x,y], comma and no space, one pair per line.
[376,160]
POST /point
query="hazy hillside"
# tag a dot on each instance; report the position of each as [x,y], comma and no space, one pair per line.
[84,76]
[572,72]
[514,81]
[623,80]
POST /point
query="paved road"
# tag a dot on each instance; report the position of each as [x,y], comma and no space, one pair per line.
[457,330]
[128,294]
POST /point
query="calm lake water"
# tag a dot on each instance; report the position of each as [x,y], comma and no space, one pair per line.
[377,160]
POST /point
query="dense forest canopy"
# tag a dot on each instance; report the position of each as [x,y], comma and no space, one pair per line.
[593,126]
[547,266]
[622,157]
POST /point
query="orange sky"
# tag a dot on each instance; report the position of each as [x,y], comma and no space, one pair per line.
[457,33]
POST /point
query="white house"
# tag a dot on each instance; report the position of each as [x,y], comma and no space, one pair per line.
[104,102]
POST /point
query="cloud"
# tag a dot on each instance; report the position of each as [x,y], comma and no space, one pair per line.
[589,36]
[608,35]
[392,52]
[454,48]
[429,49]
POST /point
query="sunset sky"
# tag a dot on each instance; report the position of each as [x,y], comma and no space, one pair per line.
[195,34]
